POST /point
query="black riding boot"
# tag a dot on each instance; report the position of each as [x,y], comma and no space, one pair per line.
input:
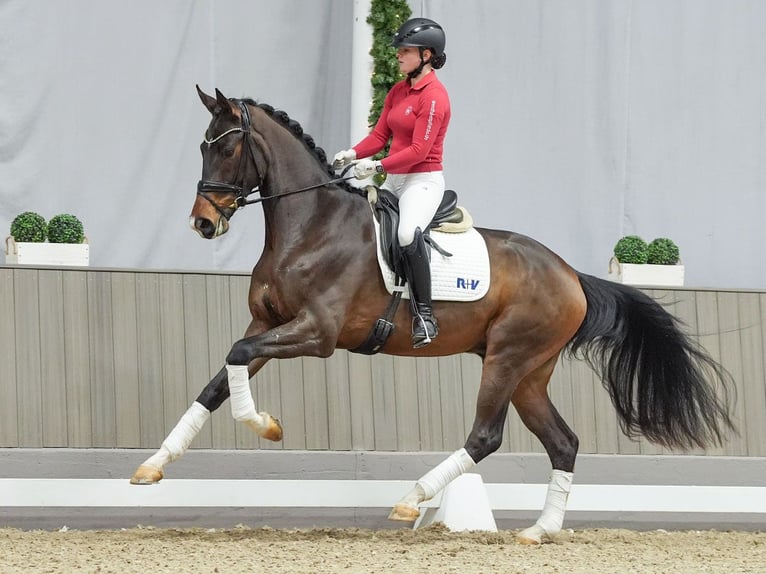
[418,272]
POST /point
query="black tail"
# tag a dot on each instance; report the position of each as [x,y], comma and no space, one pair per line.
[662,383]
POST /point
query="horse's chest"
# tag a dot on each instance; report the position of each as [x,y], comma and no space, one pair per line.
[266,303]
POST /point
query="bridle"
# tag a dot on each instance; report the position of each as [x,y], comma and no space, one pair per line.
[243,191]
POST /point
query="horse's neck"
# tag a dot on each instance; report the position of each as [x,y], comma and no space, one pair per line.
[301,220]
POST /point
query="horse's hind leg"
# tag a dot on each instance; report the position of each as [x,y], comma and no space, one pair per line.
[212,396]
[540,416]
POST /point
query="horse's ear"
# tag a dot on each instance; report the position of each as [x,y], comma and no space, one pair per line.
[216,106]
[224,105]
[208,101]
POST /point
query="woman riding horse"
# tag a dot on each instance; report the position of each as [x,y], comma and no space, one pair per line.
[317,287]
[416,113]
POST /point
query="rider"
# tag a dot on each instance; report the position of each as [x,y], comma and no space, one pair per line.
[416,113]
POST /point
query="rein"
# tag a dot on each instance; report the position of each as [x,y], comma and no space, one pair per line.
[242,192]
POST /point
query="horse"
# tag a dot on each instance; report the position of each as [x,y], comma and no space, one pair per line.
[317,287]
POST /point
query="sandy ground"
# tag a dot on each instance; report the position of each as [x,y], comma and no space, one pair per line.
[432,549]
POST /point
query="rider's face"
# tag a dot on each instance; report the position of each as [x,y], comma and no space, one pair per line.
[409,58]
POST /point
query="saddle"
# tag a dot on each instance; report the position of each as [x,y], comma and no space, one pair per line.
[385,205]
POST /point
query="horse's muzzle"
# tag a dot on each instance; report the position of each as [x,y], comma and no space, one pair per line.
[206,228]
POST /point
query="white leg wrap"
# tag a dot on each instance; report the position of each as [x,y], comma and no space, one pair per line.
[440,476]
[242,404]
[179,439]
[552,518]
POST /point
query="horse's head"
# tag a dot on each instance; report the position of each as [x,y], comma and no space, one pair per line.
[229,175]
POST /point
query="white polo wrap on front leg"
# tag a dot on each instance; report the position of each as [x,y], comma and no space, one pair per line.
[440,476]
[552,517]
[242,404]
[179,439]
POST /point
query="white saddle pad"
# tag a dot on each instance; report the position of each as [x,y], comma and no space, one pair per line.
[462,277]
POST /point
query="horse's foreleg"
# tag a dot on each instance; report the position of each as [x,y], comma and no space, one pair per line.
[243,406]
[541,417]
[180,437]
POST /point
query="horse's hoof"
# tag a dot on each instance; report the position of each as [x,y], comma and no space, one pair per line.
[531,536]
[404,513]
[273,430]
[527,541]
[146,475]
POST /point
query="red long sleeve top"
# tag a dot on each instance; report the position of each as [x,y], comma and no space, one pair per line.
[417,118]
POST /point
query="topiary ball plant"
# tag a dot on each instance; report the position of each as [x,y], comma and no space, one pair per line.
[631,249]
[662,251]
[65,228]
[29,227]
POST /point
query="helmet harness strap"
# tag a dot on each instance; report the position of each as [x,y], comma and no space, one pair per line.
[416,72]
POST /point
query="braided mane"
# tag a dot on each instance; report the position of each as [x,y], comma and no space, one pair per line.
[292,126]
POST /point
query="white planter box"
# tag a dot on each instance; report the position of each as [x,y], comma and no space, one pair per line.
[646,274]
[66,254]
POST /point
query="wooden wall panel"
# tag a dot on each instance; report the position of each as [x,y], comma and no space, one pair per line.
[9,411]
[125,333]
[172,348]
[53,359]
[731,356]
[223,428]
[361,405]
[315,411]
[384,395]
[751,347]
[338,402]
[105,358]
[196,344]
[29,391]
[77,351]
[103,400]
[150,395]
[450,383]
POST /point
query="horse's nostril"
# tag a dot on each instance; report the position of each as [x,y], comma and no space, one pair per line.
[204,226]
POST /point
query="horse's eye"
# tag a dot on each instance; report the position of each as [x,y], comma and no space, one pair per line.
[228,151]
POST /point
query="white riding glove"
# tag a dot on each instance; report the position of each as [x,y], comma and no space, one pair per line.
[364,168]
[343,158]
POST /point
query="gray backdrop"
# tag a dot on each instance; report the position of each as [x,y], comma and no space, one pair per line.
[575,122]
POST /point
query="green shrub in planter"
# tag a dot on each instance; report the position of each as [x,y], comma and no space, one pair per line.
[65,228]
[631,249]
[662,251]
[29,227]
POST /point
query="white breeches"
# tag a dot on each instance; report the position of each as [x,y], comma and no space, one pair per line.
[419,197]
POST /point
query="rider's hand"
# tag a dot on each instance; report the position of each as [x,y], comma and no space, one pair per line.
[343,157]
[364,168]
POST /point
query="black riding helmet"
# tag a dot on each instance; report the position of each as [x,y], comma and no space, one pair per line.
[422,33]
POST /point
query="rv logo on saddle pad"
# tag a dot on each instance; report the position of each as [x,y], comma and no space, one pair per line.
[471,284]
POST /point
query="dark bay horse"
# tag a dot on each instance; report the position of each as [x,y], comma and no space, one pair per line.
[317,288]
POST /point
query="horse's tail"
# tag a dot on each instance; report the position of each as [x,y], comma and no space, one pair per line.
[663,384]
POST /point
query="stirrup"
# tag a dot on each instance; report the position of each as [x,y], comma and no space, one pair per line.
[420,330]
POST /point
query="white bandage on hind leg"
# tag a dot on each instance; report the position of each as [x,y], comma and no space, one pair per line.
[552,517]
[179,439]
[440,476]
[242,404]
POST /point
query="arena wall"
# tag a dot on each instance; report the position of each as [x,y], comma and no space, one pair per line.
[100,358]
